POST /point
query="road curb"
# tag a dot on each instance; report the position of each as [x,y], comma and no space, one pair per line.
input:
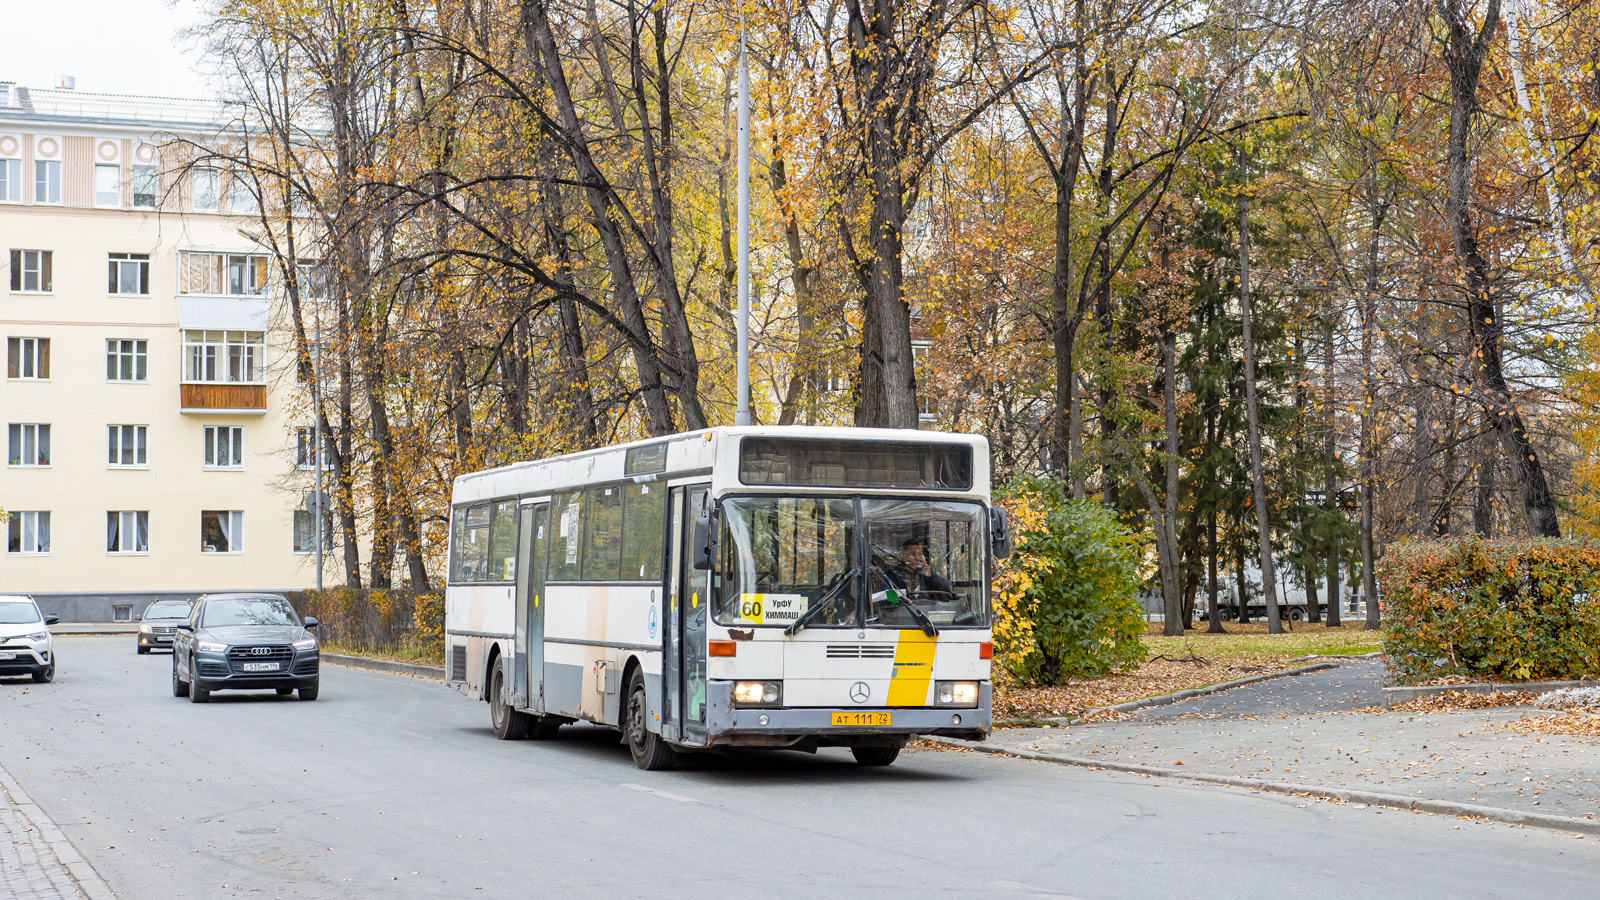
[1191,693]
[82,871]
[384,665]
[1393,695]
[1348,795]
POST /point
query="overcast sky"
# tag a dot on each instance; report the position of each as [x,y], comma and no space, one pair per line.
[113,46]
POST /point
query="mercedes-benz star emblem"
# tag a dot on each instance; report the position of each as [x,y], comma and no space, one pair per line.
[859,692]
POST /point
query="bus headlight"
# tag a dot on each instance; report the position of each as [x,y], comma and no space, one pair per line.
[955,693]
[757,693]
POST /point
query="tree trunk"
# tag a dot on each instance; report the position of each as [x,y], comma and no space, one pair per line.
[1253,416]
[1330,459]
[1483,493]
[1464,53]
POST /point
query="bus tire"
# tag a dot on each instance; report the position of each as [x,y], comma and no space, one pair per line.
[875,756]
[509,724]
[1296,614]
[650,751]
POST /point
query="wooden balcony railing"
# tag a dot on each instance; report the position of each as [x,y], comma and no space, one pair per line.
[249,399]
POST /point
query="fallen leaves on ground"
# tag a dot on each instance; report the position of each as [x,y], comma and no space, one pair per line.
[1154,678]
[1453,701]
[1576,724]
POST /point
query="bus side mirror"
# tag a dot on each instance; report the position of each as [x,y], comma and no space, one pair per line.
[1000,532]
[705,540]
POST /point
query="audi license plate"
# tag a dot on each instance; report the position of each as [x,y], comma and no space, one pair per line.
[261,667]
[861,719]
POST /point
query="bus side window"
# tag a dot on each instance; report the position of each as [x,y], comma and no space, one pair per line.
[644,534]
[469,545]
[567,541]
[503,542]
[602,534]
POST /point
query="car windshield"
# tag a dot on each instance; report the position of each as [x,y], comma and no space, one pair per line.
[780,556]
[167,611]
[249,611]
[13,612]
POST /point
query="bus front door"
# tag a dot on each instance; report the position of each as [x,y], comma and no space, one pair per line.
[684,672]
[528,680]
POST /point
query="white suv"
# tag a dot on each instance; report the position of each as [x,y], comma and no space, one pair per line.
[25,645]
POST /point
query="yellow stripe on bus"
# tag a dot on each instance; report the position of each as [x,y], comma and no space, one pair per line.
[913,669]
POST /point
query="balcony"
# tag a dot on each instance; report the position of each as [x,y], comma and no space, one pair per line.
[224,399]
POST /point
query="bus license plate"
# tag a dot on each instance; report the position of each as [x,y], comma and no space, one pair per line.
[862,719]
[261,667]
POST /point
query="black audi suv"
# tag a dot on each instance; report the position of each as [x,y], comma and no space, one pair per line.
[247,642]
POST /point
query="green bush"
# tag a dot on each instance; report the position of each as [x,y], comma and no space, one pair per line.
[1066,602]
[1504,610]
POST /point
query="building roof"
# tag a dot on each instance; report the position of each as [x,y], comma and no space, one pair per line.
[88,107]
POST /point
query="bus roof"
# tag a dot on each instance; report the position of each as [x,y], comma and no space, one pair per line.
[693,451]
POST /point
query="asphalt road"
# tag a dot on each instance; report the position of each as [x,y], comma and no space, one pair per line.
[393,786]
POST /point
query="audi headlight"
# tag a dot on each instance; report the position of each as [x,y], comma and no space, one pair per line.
[144,629]
[39,636]
[955,693]
[307,644]
[757,693]
[210,647]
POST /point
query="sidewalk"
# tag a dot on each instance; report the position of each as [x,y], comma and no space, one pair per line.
[61,628]
[1301,731]
[37,862]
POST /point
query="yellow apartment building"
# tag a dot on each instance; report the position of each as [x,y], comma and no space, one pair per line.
[156,444]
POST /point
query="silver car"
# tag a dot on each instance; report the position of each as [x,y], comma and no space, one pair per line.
[160,622]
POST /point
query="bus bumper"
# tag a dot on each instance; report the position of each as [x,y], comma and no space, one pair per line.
[730,726]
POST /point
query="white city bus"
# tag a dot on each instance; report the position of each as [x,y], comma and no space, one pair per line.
[736,587]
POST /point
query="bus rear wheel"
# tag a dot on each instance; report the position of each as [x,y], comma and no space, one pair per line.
[875,756]
[650,751]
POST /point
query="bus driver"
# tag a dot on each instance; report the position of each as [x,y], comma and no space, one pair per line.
[916,576]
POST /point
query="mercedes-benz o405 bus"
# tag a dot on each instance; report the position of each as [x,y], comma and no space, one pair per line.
[735,587]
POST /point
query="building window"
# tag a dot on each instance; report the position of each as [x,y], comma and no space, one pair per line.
[128,273]
[126,360]
[122,612]
[46,181]
[224,447]
[241,195]
[10,181]
[927,409]
[305,540]
[31,271]
[128,531]
[222,531]
[205,190]
[218,357]
[29,444]
[126,445]
[305,447]
[145,185]
[229,274]
[28,358]
[108,186]
[28,532]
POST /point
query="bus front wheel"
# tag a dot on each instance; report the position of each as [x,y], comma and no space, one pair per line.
[650,751]
[509,724]
[875,756]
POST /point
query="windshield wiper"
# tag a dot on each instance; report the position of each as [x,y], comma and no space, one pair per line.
[928,628]
[903,596]
[810,615]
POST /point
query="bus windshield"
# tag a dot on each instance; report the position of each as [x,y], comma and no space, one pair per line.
[921,560]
